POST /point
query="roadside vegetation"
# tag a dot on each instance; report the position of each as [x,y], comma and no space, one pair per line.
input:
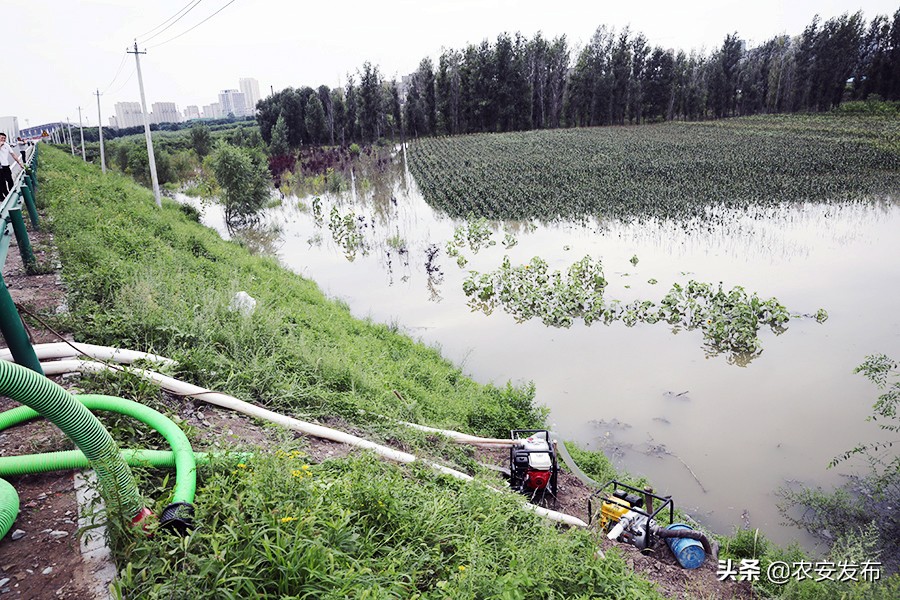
[180,154]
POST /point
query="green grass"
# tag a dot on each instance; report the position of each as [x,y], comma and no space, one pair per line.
[360,528]
[669,170]
[153,279]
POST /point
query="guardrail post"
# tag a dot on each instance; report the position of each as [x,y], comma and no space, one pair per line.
[25,251]
[32,209]
[14,332]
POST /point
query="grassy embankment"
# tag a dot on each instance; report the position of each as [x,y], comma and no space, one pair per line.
[152,279]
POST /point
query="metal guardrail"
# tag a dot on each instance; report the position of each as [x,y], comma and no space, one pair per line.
[13,224]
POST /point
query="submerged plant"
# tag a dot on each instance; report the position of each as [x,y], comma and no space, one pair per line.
[346,232]
[475,234]
[729,319]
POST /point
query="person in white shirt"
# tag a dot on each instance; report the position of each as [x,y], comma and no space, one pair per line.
[7,155]
[21,147]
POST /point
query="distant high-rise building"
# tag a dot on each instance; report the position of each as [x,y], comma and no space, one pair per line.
[250,89]
[10,126]
[129,114]
[191,112]
[165,112]
[212,111]
[114,122]
[233,102]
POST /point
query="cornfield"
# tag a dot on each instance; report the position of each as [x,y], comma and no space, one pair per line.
[670,170]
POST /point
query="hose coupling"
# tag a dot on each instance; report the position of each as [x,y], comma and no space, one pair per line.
[178,517]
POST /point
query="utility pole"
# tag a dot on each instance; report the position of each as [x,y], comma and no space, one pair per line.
[100,128]
[81,129]
[71,139]
[152,159]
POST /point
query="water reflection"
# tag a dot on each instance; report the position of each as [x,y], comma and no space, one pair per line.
[743,432]
[259,239]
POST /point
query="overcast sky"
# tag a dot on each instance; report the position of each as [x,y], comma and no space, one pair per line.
[66,49]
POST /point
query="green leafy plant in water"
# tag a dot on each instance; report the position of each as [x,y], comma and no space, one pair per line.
[530,290]
[317,210]
[729,319]
[396,242]
[345,230]
[476,234]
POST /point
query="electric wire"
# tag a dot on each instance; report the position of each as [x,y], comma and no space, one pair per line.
[119,70]
[144,41]
[195,26]
[187,6]
[119,89]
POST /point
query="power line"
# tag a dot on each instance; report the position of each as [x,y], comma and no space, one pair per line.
[119,89]
[194,27]
[172,23]
[183,8]
[119,70]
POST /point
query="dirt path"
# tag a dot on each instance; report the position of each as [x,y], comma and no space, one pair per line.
[46,561]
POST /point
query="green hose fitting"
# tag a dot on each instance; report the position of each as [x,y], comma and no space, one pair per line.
[74,419]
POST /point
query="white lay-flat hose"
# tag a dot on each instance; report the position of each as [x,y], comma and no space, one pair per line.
[225,401]
[66,350]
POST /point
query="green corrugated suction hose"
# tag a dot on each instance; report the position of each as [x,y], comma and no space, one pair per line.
[9,506]
[185,465]
[67,460]
[176,515]
[184,461]
[76,421]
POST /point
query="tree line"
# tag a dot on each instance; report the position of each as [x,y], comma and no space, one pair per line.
[618,77]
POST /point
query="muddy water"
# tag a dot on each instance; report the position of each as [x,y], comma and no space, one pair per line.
[721,438]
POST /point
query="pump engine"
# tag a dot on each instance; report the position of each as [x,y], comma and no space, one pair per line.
[627,515]
[532,464]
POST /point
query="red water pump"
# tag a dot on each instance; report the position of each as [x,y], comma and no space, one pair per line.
[532,464]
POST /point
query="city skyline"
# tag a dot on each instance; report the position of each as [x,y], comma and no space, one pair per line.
[62,68]
[128,113]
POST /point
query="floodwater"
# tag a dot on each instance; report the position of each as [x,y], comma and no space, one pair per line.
[720,436]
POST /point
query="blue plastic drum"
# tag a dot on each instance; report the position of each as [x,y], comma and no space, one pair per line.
[689,553]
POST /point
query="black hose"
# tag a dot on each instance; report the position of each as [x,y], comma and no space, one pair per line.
[690,534]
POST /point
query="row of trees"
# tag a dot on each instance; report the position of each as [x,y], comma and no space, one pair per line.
[518,83]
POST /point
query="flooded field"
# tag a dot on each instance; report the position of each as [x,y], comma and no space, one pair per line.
[719,433]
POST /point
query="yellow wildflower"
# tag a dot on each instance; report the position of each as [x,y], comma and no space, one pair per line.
[288,519]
